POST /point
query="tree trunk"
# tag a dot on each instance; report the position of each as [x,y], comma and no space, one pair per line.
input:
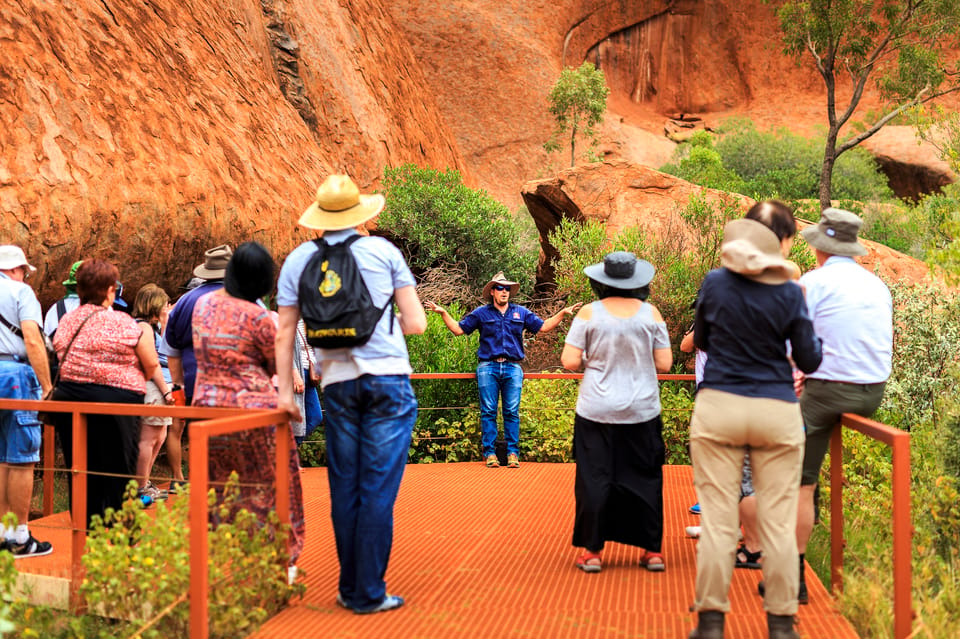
[826,171]
[573,146]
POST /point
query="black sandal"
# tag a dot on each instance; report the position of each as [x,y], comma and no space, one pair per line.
[747,559]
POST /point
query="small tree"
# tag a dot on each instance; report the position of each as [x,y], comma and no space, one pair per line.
[900,43]
[577,102]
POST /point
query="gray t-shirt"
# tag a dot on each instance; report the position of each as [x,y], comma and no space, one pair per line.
[619,379]
[18,303]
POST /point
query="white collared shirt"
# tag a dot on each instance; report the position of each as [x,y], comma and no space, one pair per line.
[852,313]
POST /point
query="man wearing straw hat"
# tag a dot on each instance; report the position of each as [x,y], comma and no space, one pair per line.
[852,312]
[369,403]
[24,374]
[499,375]
[177,345]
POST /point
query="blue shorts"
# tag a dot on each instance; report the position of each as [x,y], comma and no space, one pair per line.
[19,429]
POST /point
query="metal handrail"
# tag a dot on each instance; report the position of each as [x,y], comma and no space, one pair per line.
[899,442]
[218,421]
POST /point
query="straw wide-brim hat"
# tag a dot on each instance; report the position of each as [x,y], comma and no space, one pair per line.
[340,205]
[12,256]
[836,233]
[622,270]
[751,249]
[503,281]
[214,265]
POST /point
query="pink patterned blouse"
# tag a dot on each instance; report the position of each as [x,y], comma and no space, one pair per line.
[104,351]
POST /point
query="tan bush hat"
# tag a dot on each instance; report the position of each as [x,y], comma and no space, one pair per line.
[340,205]
[214,265]
[751,249]
[502,281]
[836,233]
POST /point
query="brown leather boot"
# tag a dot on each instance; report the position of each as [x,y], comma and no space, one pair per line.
[709,625]
[781,627]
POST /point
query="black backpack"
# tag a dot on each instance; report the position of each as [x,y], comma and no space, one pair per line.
[334,301]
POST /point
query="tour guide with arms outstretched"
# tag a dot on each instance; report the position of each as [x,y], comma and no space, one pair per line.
[499,375]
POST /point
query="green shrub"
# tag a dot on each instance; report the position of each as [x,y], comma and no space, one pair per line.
[547,408]
[676,409]
[774,165]
[437,221]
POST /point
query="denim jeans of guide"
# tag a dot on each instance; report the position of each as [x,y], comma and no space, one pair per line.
[500,382]
[369,422]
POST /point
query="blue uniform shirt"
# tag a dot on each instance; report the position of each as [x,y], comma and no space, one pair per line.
[501,335]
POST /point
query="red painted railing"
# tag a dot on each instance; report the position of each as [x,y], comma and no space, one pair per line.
[219,421]
[899,442]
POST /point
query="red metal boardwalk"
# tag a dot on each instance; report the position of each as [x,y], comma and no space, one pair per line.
[483,553]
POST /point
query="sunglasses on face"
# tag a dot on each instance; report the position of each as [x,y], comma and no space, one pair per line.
[500,287]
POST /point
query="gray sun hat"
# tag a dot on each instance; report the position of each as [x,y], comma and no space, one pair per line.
[214,265]
[751,249]
[622,270]
[836,233]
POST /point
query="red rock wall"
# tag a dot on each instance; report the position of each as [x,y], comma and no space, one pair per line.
[145,132]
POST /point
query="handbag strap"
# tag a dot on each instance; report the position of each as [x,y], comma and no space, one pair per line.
[16,330]
[66,351]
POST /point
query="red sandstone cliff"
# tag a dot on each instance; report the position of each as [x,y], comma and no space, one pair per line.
[147,131]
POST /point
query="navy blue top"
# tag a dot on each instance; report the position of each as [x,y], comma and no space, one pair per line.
[179,331]
[744,326]
[501,334]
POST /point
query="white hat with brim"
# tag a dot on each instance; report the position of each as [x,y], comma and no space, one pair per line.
[340,205]
[621,270]
[751,249]
[12,256]
[500,279]
[836,233]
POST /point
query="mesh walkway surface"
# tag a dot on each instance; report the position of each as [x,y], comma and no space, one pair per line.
[484,552]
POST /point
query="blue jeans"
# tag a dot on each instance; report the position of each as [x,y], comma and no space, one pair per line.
[498,380]
[369,422]
[312,413]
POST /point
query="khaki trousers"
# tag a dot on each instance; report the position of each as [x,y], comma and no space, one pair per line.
[723,424]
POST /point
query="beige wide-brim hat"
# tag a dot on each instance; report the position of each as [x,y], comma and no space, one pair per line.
[340,205]
[214,265]
[503,281]
[836,233]
[751,249]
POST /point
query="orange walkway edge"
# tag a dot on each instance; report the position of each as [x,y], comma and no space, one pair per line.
[484,552]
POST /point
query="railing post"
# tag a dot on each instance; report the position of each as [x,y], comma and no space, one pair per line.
[283,471]
[902,542]
[78,479]
[199,570]
[837,541]
[49,457]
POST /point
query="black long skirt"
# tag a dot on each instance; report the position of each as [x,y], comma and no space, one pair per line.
[113,443]
[619,484]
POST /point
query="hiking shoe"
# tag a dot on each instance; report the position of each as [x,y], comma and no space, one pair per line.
[695,509]
[32,548]
[175,485]
[150,490]
[513,461]
[390,602]
[492,461]
[693,532]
